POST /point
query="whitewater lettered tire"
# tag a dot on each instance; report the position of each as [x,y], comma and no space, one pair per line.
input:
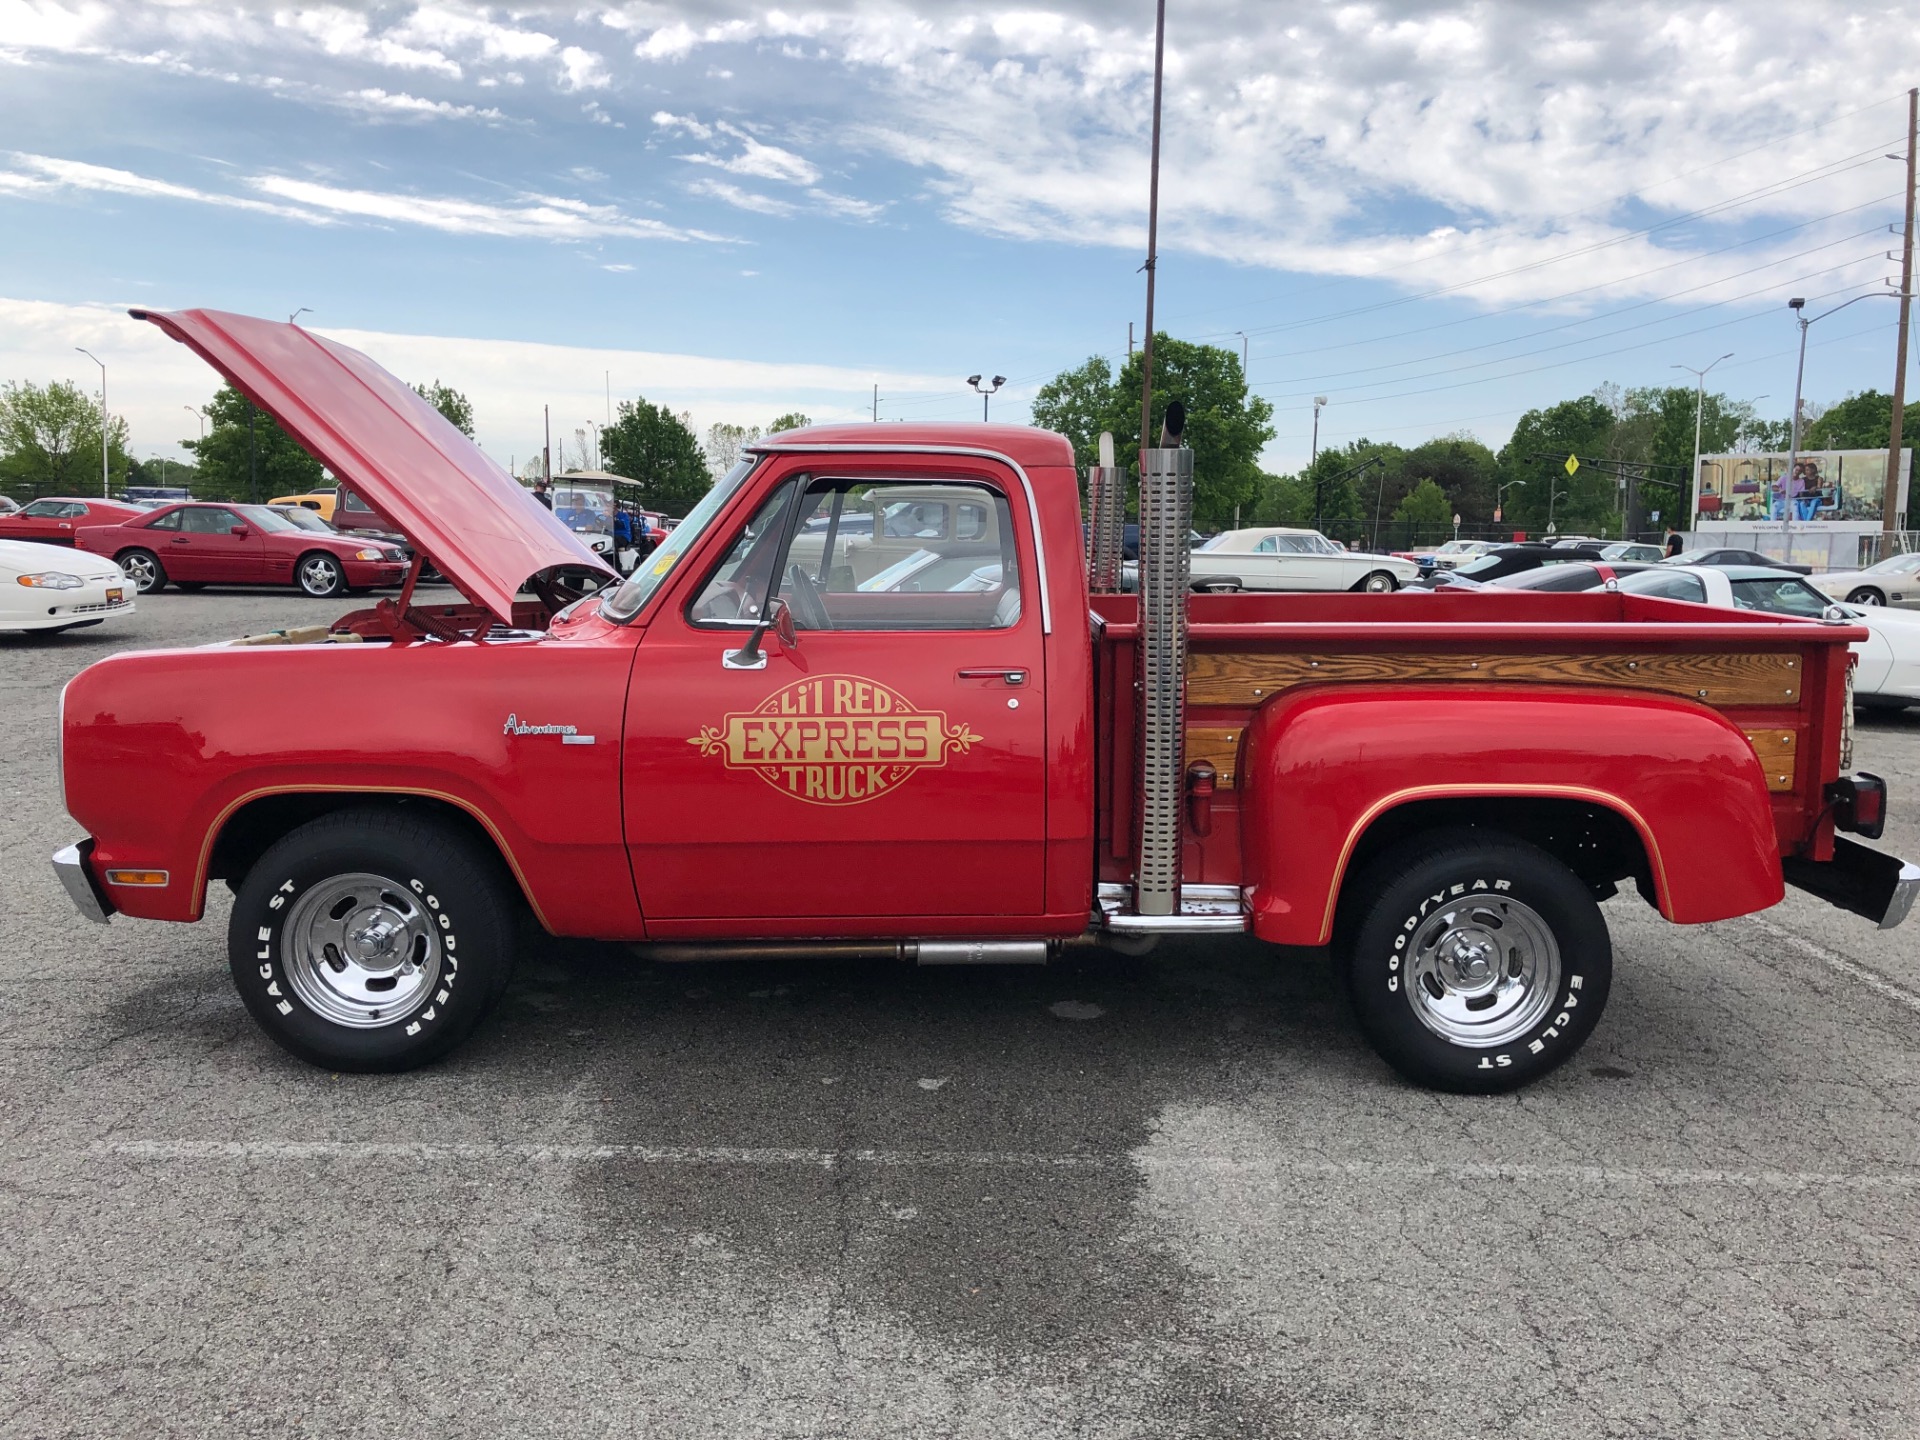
[1477,963]
[372,940]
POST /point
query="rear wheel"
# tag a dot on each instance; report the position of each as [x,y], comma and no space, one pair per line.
[321,575]
[371,941]
[144,569]
[1378,583]
[1478,963]
[1866,595]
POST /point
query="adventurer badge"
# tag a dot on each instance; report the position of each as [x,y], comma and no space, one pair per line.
[834,739]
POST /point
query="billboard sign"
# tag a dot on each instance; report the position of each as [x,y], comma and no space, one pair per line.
[1825,485]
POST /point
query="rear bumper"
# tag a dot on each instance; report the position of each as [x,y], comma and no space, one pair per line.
[70,864]
[1858,879]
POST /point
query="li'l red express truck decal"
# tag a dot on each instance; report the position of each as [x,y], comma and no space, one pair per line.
[835,739]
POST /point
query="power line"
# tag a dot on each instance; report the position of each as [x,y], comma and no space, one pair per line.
[1589,319]
[1677,315]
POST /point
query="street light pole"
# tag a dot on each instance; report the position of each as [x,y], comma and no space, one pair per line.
[1314,454]
[1699,407]
[105,484]
[303,310]
[986,391]
[1243,355]
[199,415]
[1557,495]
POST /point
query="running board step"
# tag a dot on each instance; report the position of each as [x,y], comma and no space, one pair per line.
[1204,910]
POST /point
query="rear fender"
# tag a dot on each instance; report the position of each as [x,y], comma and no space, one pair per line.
[1324,765]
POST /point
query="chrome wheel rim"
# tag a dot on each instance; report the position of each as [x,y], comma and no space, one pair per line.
[141,570]
[1379,584]
[1483,971]
[360,951]
[318,576]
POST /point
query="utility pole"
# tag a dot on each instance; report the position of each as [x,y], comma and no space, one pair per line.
[1153,232]
[609,378]
[546,449]
[105,484]
[1889,520]
[876,402]
[1699,407]
[1243,356]
[1130,339]
[1314,454]
[253,456]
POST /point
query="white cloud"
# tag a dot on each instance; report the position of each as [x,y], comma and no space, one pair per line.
[526,218]
[741,199]
[344,33]
[582,70]
[507,380]
[666,120]
[448,29]
[46,176]
[755,158]
[378,101]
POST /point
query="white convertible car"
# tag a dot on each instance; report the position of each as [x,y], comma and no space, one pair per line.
[48,588]
[1274,558]
[1886,673]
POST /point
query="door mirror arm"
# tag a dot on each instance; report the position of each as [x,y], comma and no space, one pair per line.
[750,656]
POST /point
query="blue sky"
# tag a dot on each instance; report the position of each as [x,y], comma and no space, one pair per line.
[1438,215]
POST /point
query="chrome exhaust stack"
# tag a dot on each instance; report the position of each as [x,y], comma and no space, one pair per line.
[1106,517]
[1166,518]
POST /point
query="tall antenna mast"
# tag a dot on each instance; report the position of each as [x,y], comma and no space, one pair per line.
[1153,229]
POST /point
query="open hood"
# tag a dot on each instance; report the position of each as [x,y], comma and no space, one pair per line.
[478,525]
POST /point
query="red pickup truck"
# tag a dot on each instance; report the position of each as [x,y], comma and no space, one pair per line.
[863,701]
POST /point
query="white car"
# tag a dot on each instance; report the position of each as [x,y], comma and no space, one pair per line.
[1894,581]
[1886,675]
[49,589]
[1276,558]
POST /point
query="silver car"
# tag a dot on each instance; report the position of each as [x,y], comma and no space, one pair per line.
[1894,581]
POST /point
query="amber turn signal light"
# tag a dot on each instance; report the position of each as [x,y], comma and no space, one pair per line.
[136,877]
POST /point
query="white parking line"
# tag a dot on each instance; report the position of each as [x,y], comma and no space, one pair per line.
[1879,984]
[422,1152]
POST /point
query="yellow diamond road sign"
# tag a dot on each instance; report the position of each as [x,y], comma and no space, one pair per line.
[1573,463]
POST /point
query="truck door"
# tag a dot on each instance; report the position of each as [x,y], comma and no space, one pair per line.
[890,763]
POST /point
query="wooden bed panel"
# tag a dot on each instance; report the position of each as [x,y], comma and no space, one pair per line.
[1715,678]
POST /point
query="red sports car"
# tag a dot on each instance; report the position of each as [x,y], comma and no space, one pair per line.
[54,518]
[203,543]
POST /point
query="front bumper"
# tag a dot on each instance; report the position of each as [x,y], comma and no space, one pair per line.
[1858,879]
[70,864]
[362,574]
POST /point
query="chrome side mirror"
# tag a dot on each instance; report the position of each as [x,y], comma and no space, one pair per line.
[750,656]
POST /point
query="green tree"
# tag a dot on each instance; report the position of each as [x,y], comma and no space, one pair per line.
[247,456]
[657,450]
[1226,426]
[1764,437]
[450,403]
[1425,511]
[1532,462]
[162,472]
[50,440]
[1859,422]
[792,420]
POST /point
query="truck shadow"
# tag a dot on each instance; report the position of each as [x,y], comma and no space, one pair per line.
[960,1142]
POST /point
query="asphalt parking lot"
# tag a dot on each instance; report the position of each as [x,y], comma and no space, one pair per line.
[1171,1196]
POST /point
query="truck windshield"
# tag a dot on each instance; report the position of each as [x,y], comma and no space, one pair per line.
[638,587]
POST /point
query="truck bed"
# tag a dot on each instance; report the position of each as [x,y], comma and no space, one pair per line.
[1782,681]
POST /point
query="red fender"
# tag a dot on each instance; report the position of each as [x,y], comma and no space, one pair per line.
[1322,765]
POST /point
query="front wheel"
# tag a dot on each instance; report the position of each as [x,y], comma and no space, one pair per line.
[144,569]
[1378,583]
[371,941]
[321,575]
[1478,963]
[1866,595]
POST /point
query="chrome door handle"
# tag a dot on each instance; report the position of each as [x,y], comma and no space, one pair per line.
[994,672]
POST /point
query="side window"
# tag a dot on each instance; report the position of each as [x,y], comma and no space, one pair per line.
[901,556]
[737,587]
[168,521]
[45,509]
[354,503]
[1266,546]
[1676,587]
[209,520]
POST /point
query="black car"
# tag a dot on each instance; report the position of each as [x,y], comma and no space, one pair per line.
[1575,575]
[1510,560]
[1734,557]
